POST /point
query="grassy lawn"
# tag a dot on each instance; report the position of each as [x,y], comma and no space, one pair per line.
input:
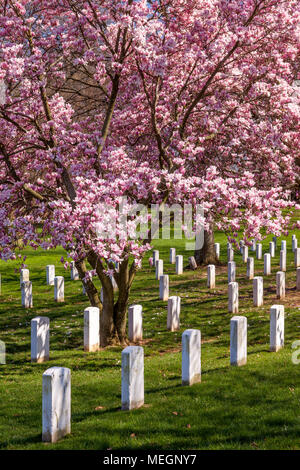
[253,407]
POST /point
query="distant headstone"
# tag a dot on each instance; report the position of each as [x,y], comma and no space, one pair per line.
[245,254]
[259,251]
[155,257]
[230,254]
[294,243]
[74,272]
[192,263]
[172,255]
[272,249]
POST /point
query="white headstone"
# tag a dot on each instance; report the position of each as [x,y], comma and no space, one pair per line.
[173,319]
[59,289]
[283,245]
[259,251]
[258,291]
[50,274]
[283,260]
[114,283]
[294,243]
[164,287]
[24,276]
[40,336]
[280,285]
[231,268]
[238,341]
[253,246]
[217,250]
[250,268]
[91,332]
[233,297]
[230,254]
[159,269]
[56,403]
[135,323]
[242,245]
[274,240]
[172,255]
[245,254]
[2,353]
[132,377]
[74,272]
[179,264]
[272,249]
[192,263]
[211,276]
[297,257]
[26,291]
[267,264]
[155,256]
[276,327]
[191,357]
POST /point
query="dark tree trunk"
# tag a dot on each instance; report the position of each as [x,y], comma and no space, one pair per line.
[113,313]
[207,255]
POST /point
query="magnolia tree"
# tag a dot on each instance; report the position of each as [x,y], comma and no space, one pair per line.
[164,102]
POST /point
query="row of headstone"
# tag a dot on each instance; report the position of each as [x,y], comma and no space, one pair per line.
[27,297]
[40,328]
[56,401]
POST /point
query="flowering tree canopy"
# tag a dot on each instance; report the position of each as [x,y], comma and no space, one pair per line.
[162,101]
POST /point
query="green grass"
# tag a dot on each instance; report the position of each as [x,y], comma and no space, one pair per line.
[252,407]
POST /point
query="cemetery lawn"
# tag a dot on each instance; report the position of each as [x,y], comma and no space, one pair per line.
[256,406]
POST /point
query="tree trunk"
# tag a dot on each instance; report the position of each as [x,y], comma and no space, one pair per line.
[113,314]
[207,255]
